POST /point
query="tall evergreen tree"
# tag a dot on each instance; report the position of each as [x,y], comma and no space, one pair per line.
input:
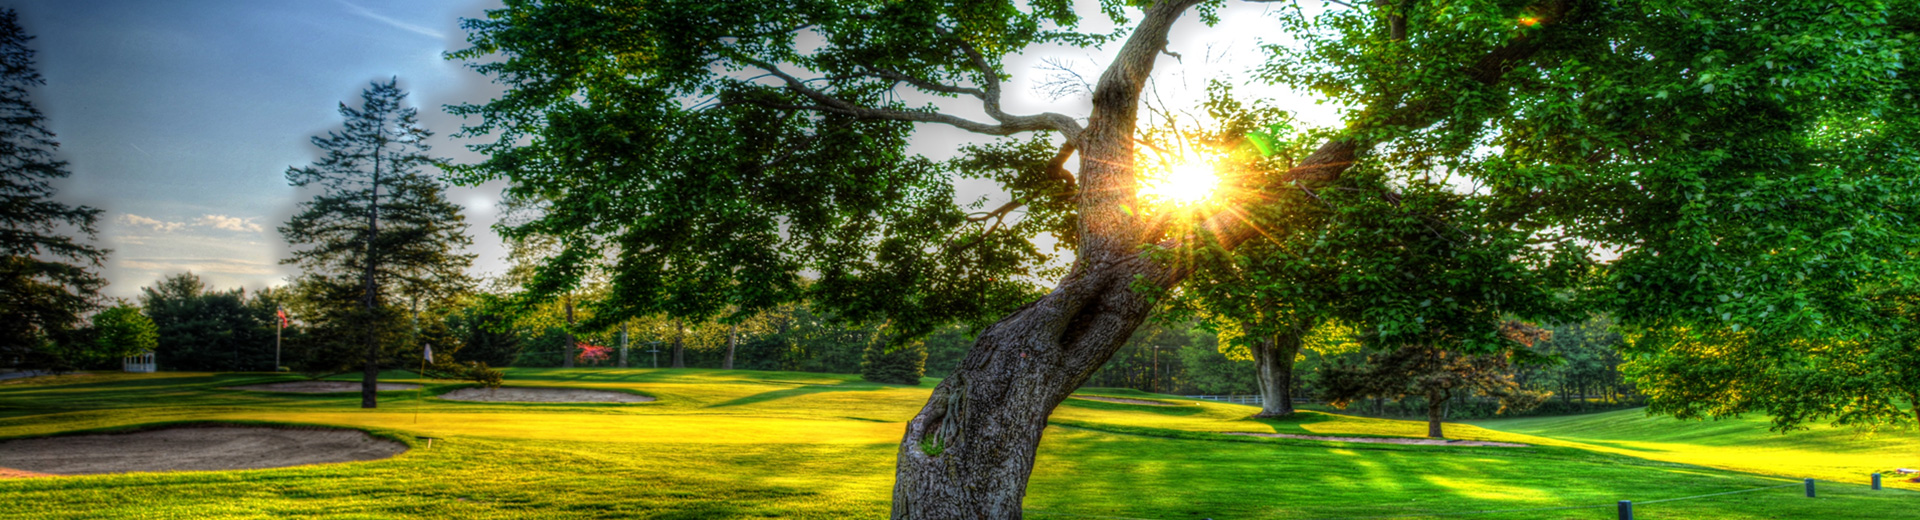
[47,277]
[380,231]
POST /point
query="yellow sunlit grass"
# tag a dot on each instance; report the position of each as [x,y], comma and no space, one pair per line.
[1180,182]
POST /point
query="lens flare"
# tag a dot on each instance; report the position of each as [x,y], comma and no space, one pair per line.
[1183,183]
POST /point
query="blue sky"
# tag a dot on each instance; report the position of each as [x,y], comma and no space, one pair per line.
[180,117]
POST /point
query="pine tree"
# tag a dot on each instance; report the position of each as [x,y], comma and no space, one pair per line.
[381,232]
[47,277]
[897,364]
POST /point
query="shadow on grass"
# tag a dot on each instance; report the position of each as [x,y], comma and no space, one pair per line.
[798,391]
[1173,410]
[1294,423]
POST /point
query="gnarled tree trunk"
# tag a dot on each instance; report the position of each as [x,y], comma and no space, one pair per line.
[1436,412]
[970,450]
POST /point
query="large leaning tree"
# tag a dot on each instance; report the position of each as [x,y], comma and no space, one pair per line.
[379,233]
[714,152]
[48,276]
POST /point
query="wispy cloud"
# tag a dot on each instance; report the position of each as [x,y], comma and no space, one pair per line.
[199,265]
[154,224]
[227,223]
[397,24]
[208,221]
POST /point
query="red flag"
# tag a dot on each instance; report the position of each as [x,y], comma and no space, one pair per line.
[283,317]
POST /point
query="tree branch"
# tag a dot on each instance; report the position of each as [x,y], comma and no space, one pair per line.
[1009,124]
[923,84]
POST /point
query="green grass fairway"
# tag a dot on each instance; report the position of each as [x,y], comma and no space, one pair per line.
[1820,452]
[741,444]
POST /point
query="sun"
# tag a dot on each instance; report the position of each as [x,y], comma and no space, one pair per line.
[1183,182]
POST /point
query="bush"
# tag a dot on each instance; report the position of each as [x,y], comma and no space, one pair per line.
[475,371]
[900,364]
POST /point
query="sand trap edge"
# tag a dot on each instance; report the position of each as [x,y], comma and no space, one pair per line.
[408,440]
[408,443]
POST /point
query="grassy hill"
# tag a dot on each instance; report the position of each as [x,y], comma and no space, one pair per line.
[739,444]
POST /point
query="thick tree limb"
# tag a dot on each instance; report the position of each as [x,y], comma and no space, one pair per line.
[1107,172]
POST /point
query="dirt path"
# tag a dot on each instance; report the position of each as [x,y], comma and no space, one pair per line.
[321,387]
[1384,440]
[1123,400]
[192,449]
[543,395]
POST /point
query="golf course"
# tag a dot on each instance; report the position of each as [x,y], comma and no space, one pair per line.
[753,444]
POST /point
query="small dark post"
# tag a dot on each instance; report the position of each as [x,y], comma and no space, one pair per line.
[1626,510]
[1809,488]
[1876,481]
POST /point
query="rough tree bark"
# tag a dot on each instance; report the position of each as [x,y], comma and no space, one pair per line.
[623,345]
[1436,411]
[1274,359]
[969,451]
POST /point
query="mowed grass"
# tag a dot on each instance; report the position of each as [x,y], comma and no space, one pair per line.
[1818,451]
[742,444]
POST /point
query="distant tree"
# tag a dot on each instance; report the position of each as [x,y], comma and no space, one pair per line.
[1436,374]
[47,278]
[121,331]
[487,331]
[380,232]
[1584,360]
[212,330]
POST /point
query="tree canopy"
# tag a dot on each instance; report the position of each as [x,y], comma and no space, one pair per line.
[1728,164]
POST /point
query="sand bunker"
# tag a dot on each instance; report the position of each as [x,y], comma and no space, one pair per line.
[543,395]
[1384,440]
[1123,400]
[192,449]
[321,387]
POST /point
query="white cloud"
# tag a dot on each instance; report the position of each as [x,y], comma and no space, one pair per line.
[154,224]
[199,265]
[404,26]
[227,223]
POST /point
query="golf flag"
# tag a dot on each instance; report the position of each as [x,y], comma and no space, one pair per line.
[283,317]
[429,354]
